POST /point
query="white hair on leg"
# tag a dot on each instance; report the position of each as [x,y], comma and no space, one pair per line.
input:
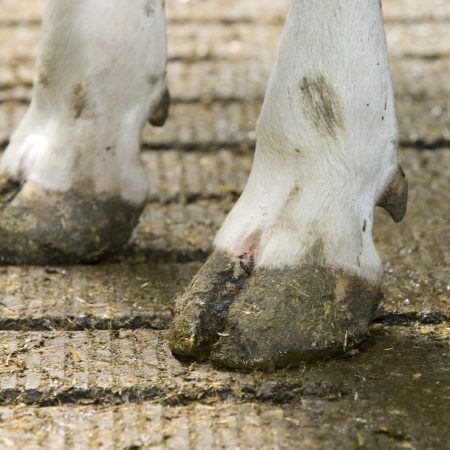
[101,73]
[326,143]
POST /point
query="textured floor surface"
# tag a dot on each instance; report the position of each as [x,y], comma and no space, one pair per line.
[84,362]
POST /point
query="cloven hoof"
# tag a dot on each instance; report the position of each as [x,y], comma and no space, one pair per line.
[41,227]
[270,318]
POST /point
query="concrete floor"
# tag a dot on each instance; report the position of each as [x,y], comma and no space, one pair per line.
[84,362]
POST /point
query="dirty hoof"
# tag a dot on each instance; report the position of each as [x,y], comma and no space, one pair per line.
[270,318]
[201,312]
[39,227]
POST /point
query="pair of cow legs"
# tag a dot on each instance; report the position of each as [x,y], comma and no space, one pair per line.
[294,274]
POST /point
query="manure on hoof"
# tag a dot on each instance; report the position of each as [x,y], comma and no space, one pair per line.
[270,318]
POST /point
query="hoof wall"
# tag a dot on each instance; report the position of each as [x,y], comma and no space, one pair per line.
[270,318]
[39,227]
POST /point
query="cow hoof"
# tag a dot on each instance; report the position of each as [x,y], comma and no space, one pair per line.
[270,318]
[42,227]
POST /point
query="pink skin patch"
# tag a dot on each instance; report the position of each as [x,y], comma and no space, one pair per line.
[20,174]
[248,251]
[23,165]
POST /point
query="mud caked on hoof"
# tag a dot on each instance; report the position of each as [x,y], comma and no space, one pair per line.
[41,227]
[201,312]
[285,316]
[270,318]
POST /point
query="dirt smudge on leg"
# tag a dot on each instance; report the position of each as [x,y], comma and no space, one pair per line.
[321,105]
[79,100]
[149,7]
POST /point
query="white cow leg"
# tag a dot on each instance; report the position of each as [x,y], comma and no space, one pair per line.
[72,184]
[295,274]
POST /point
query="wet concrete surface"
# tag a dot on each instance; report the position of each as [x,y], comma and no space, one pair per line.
[84,359]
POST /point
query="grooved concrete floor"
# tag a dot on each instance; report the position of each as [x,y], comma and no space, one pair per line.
[84,361]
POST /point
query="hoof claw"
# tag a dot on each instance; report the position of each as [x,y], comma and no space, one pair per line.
[270,318]
[201,312]
[39,227]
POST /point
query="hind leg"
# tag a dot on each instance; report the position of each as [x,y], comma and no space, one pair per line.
[72,184]
[295,274]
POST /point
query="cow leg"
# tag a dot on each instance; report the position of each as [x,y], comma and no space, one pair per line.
[72,184]
[295,274]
